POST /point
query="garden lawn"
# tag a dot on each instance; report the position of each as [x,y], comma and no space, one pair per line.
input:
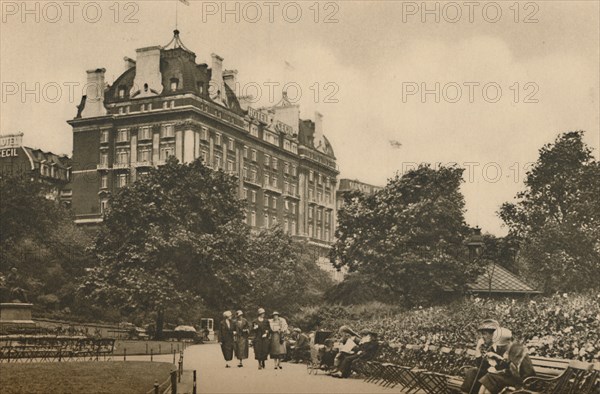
[82,377]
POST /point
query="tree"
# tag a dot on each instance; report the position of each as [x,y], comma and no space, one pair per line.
[408,236]
[175,239]
[284,274]
[172,239]
[40,241]
[557,216]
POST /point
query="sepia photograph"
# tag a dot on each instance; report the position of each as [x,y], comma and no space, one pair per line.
[303,197]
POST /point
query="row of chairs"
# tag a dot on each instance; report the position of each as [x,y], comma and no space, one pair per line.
[438,370]
[54,348]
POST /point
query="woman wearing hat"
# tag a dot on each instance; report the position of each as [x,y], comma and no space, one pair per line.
[226,337]
[242,330]
[279,328]
[486,330]
[262,338]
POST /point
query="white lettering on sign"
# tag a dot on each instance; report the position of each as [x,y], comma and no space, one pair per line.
[11,140]
[9,153]
[260,116]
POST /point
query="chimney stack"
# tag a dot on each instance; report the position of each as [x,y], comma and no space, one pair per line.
[216,90]
[94,91]
[318,136]
[148,79]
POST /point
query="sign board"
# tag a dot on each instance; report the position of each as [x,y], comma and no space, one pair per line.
[11,141]
[10,152]
[258,115]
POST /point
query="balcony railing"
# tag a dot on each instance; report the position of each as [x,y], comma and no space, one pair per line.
[252,181]
[120,166]
[102,166]
[272,188]
[145,163]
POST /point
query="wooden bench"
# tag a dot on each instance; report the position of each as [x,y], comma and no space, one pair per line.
[578,378]
[551,374]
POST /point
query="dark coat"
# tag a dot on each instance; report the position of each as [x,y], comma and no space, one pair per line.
[242,331]
[226,334]
[261,344]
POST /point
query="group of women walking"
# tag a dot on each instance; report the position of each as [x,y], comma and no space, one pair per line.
[268,338]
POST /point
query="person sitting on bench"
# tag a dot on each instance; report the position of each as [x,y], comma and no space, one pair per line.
[367,348]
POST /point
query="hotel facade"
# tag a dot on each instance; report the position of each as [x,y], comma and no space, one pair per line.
[165,104]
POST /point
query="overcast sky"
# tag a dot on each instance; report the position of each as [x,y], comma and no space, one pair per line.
[364,71]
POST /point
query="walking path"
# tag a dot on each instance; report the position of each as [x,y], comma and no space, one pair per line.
[214,378]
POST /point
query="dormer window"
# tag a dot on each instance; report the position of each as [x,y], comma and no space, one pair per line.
[174,84]
[121,91]
[145,87]
[200,87]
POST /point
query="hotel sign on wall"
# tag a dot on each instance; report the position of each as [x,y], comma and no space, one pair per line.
[258,115]
[9,144]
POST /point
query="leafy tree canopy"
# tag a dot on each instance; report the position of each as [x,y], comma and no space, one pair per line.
[408,236]
[557,216]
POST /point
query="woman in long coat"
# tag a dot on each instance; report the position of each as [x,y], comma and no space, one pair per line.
[262,338]
[226,332]
[279,328]
[242,330]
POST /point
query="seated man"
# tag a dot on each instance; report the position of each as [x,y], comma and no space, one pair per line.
[301,347]
[348,347]
[367,348]
[327,355]
[486,329]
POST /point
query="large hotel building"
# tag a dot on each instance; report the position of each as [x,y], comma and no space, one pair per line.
[165,104]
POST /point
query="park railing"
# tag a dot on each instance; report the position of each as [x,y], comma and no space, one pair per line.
[29,348]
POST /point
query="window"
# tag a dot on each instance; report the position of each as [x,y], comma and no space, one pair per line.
[104,136]
[231,144]
[245,152]
[310,212]
[319,215]
[327,238]
[318,232]
[230,166]
[310,195]
[122,180]
[254,130]
[122,157]
[286,167]
[310,230]
[121,91]
[174,84]
[293,227]
[287,145]
[123,135]
[266,220]
[145,133]
[293,190]
[267,201]
[274,163]
[286,205]
[204,154]
[286,225]
[104,181]
[245,194]
[104,158]
[253,176]
[144,154]
[143,107]
[253,196]
[166,151]
[165,105]
[253,154]
[218,161]
[293,207]
[273,220]
[253,218]
[204,134]
[286,186]
[319,196]
[168,131]
[104,206]
[149,106]
[327,217]
[218,139]
[294,170]
[274,202]
[267,160]
[311,176]
[319,179]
